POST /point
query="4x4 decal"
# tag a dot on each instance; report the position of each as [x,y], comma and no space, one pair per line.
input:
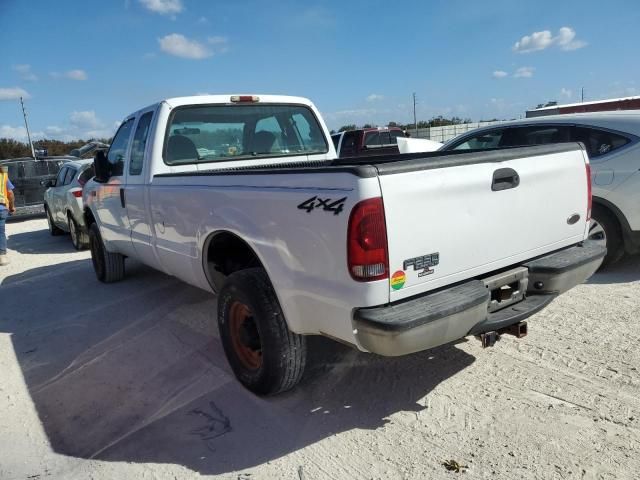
[327,204]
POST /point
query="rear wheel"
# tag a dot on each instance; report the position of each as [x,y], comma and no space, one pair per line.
[109,267]
[266,357]
[53,230]
[78,237]
[604,229]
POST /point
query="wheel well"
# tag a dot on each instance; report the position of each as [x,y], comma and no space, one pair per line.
[610,210]
[226,253]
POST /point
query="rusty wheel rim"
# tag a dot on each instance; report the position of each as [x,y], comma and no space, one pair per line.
[244,336]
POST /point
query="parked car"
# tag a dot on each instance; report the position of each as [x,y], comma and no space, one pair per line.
[63,202]
[612,141]
[29,178]
[367,141]
[391,254]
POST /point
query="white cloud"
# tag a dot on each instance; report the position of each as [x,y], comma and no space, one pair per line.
[13,93]
[374,97]
[499,74]
[163,7]
[524,72]
[16,133]
[566,93]
[71,75]
[566,39]
[203,20]
[542,40]
[85,119]
[180,46]
[25,72]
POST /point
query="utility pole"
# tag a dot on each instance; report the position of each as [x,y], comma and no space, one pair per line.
[415,122]
[26,125]
[582,95]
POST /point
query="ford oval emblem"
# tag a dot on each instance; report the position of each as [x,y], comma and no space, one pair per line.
[573,219]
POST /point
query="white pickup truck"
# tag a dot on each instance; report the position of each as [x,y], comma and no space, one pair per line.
[243,196]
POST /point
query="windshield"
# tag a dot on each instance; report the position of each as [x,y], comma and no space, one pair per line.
[206,133]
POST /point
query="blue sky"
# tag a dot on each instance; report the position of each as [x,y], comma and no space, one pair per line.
[83,65]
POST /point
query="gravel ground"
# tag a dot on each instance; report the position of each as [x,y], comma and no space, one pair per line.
[129,381]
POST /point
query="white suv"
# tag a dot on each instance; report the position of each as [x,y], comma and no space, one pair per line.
[63,201]
[612,141]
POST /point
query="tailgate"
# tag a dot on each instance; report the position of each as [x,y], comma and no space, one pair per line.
[455,217]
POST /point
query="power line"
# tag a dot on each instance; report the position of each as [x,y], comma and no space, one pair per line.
[24,114]
[415,122]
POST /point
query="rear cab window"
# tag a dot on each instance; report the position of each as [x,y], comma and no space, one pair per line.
[220,133]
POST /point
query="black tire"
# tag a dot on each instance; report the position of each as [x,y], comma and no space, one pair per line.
[53,230]
[263,333]
[612,234]
[109,267]
[79,238]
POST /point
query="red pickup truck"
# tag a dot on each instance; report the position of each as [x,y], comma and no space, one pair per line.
[367,141]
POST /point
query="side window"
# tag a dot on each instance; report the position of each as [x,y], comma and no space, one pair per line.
[86,175]
[599,142]
[336,141]
[535,135]
[139,144]
[482,141]
[348,148]
[119,148]
[71,172]
[60,178]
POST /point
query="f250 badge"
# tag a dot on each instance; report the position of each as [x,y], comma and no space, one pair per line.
[327,204]
[424,263]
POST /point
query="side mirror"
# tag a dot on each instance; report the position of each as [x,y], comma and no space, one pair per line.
[101,166]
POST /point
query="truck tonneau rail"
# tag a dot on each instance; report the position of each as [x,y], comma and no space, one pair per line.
[371,166]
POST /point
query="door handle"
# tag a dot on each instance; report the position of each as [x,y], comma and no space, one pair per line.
[505,178]
[122,197]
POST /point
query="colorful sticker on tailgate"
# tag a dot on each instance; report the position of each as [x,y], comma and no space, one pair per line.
[398,279]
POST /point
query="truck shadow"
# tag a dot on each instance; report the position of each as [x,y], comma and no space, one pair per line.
[625,271]
[134,372]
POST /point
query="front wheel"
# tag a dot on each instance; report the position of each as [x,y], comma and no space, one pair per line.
[109,267]
[604,230]
[266,357]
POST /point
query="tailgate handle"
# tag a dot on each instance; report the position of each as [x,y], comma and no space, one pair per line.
[505,178]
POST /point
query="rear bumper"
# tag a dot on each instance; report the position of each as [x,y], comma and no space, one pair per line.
[450,314]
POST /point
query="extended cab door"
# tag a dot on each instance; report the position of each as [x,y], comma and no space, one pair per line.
[110,200]
[136,191]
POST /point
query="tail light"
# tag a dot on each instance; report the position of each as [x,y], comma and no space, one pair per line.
[588,167]
[367,254]
[77,193]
